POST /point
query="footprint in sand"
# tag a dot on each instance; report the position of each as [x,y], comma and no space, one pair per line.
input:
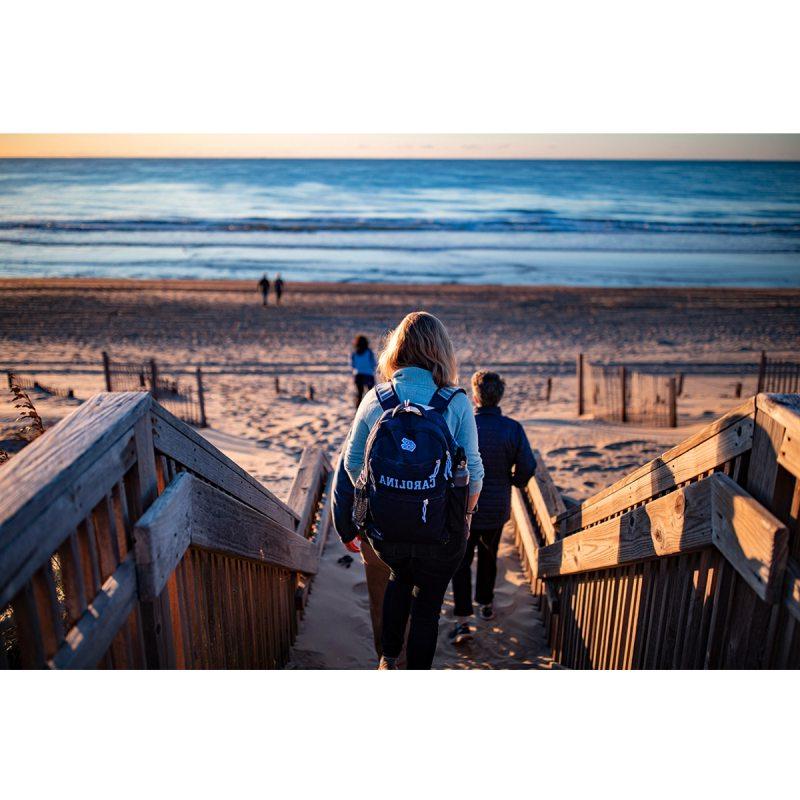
[623,445]
[589,453]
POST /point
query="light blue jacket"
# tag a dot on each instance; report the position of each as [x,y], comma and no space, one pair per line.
[363,363]
[417,385]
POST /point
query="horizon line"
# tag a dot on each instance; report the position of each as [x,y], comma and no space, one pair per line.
[407,147]
[662,159]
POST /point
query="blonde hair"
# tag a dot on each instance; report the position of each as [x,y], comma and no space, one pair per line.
[420,340]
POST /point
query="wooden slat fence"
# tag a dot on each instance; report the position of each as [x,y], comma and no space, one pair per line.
[128,541]
[618,394]
[778,375]
[692,561]
[30,382]
[182,398]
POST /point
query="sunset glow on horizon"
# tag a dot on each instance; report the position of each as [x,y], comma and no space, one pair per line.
[444,146]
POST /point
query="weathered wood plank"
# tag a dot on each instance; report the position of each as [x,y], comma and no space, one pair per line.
[306,487]
[783,408]
[326,516]
[155,614]
[180,442]
[677,522]
[719,442]
[733,417]
[545,498]
[749,536]
[222,524]
[162,535]
[22,553]
[75,598]
[191,511]
[789,453]
[47,466]
[94,632]
[525,530]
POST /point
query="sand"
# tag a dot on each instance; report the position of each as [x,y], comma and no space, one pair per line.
[57,329]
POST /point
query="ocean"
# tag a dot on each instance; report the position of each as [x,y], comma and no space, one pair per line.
[582,223]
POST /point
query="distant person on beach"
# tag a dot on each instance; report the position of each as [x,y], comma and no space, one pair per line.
[278,288]
[263,285]
[412,456]
[362,360]
[507,461]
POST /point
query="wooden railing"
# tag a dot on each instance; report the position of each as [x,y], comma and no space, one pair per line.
[128,541]
[691,561]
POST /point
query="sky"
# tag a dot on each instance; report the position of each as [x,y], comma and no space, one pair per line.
[534,146]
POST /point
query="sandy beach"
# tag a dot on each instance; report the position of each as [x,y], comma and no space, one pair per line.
[55,330]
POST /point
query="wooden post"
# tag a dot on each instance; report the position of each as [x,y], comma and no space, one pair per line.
[673,405]
[549,388]
[580,385]
[679,389]
[310,392]
[201,398]
[107,371]
[156,615]
[10,376]
[277,385]
[738,389]
[153,378]
[623,390]
[762,370]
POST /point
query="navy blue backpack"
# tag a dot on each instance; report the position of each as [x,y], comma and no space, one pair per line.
[405,492]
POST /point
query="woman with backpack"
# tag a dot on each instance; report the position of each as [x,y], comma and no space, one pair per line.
[412,455]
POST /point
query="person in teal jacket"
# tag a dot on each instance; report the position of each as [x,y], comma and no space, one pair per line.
[419,359]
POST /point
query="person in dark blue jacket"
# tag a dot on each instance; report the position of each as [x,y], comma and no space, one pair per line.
[508,461]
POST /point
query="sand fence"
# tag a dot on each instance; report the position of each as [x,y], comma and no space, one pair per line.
[619,394]
[29,382]
[778,374]
[184,399]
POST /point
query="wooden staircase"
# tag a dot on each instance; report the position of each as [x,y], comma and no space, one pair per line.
[691,561]
[128,541]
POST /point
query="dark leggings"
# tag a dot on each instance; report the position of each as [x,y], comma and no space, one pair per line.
[363,384]
[486,543]
[416,589]
[424,605]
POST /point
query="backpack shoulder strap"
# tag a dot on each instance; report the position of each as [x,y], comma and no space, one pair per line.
[442,397]
[387,396]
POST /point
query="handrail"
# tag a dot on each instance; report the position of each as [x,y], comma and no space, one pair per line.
[57,479]
[307,486]
[716,518]
[713,511]
[128,539]
[721,441]
[177,440]
[192,512]
[313,479]
[545,499]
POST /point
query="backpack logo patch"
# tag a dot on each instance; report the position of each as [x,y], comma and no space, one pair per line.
[407,444]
